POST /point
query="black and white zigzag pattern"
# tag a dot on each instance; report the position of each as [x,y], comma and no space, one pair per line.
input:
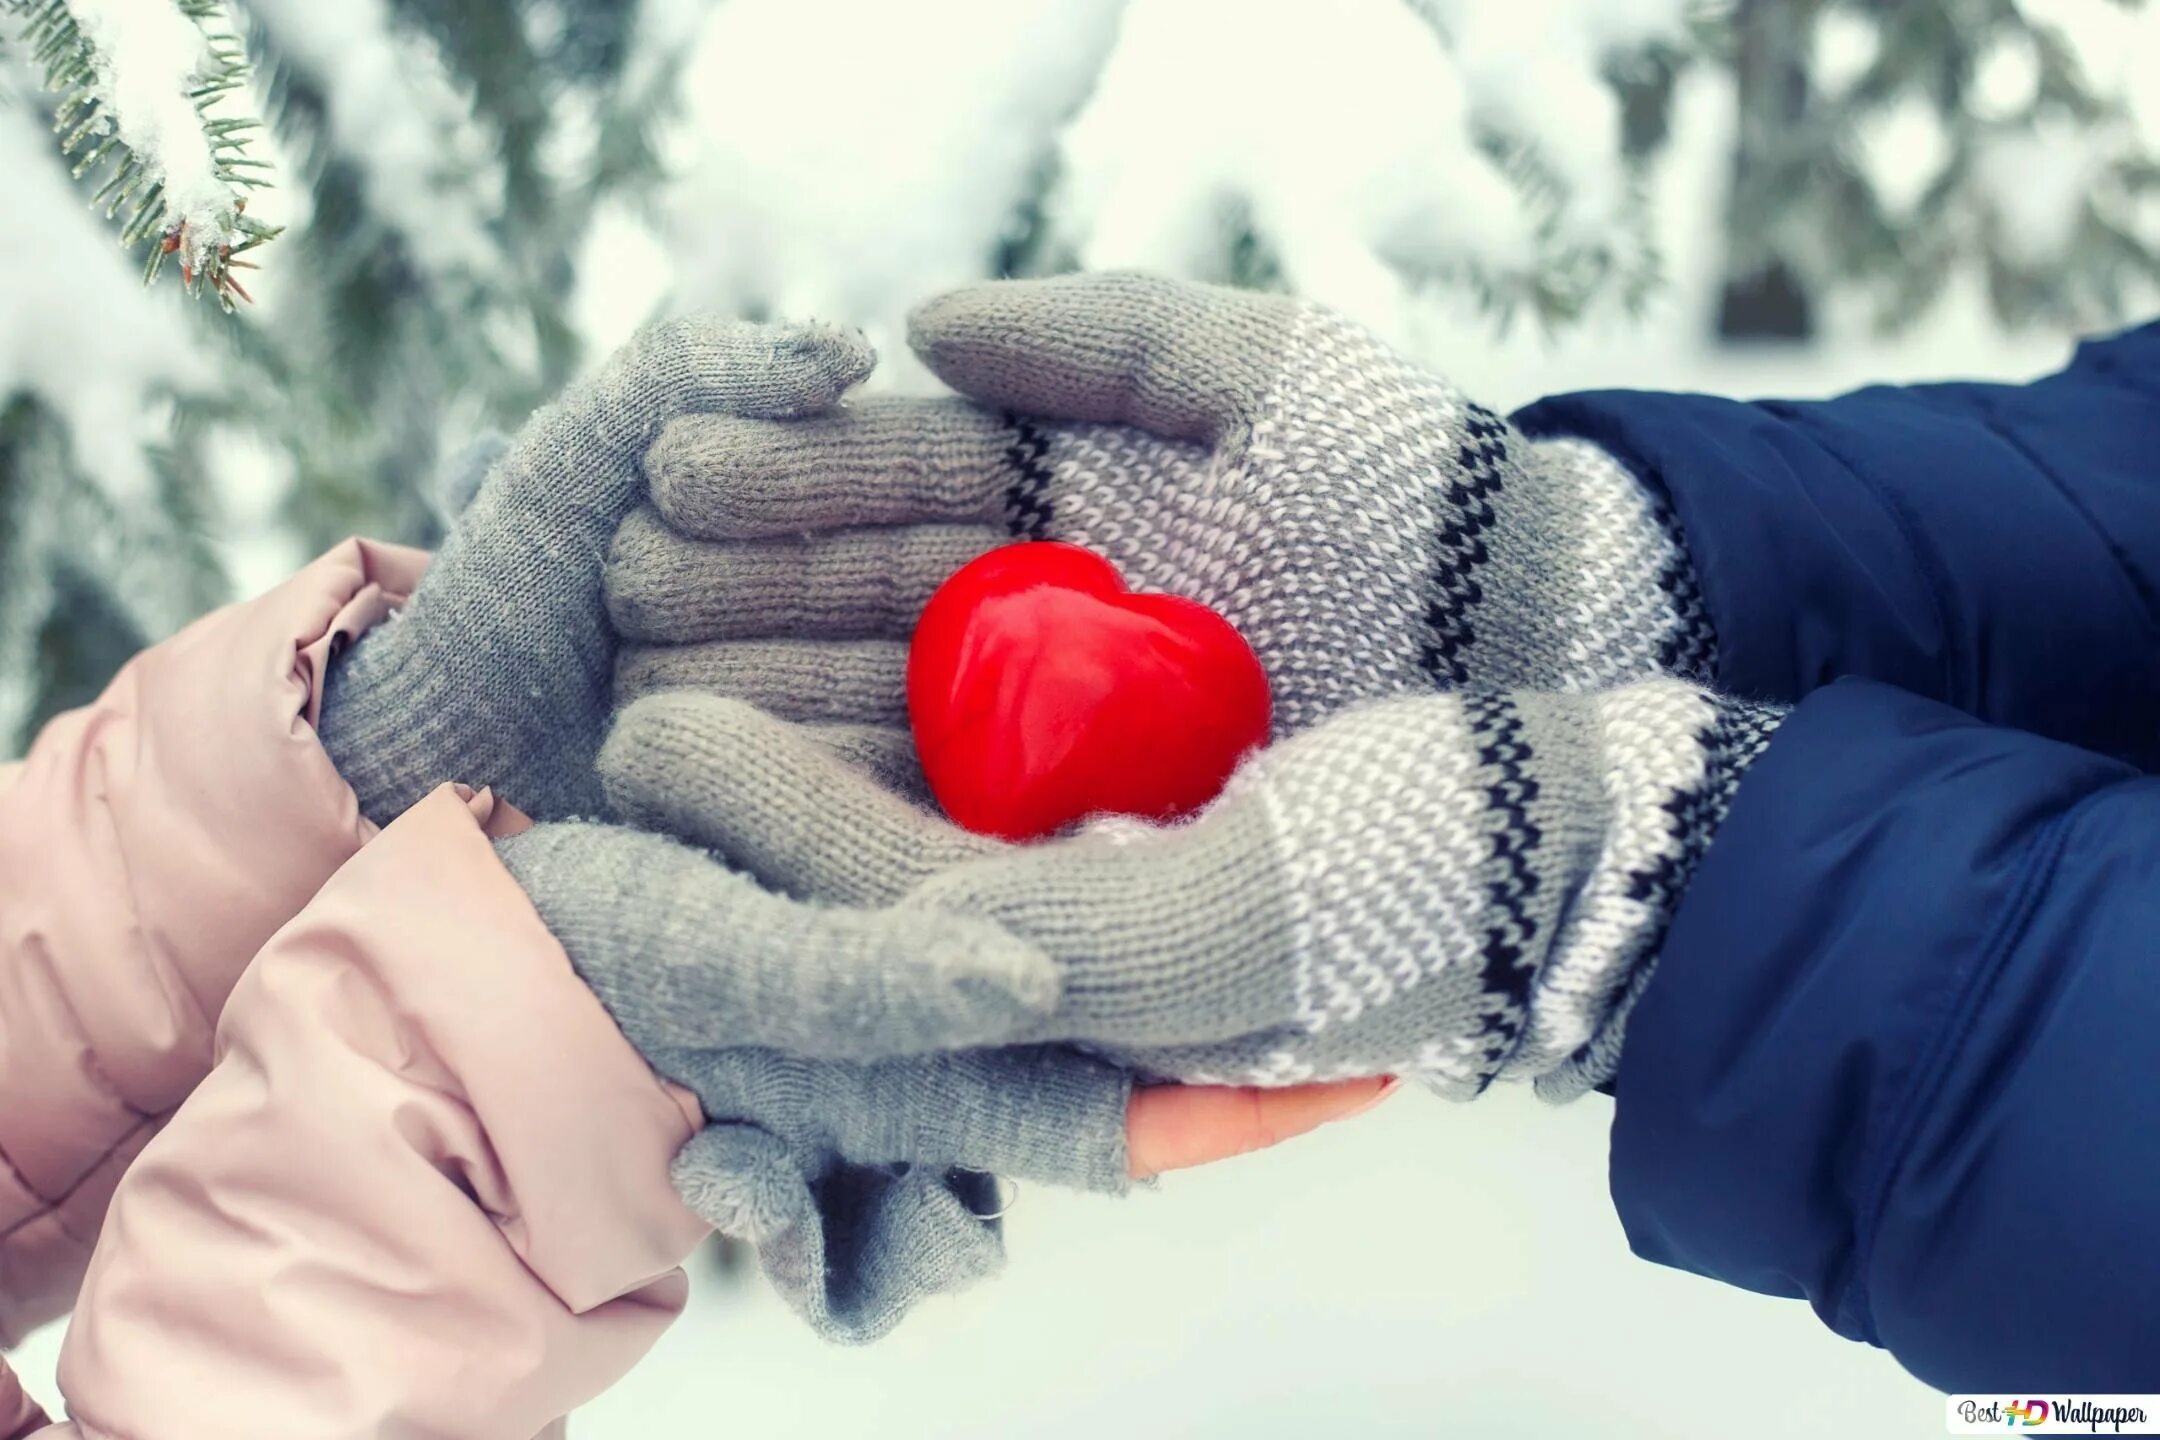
[1460,545]
[1372,532]
[1508,953]
[1028,507]
[1467,886]
[1730,744]
[1737,734]
[1690,650]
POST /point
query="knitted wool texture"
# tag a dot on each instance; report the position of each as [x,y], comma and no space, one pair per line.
[1370,530]
[1455,887]
[865,1186]
[499,671]
[1367,528]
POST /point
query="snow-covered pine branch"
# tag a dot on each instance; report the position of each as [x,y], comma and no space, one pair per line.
[138,80]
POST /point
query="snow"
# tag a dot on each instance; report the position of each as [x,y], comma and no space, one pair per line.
[392,109]
[253,479]
[1345,129]
[1348,132]
[839,159]
[1902,150]
[148,55]
[2038,183]
[2007,79]
[120,345]
[626,273]
[1847,43]
[1532,68]
[80,335]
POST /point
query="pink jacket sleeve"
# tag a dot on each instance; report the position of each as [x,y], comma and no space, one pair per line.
[424,1193]
[149,844]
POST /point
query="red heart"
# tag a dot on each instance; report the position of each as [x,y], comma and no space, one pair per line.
[1042,690]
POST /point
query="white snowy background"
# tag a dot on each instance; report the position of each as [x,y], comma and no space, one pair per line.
[1426,1268]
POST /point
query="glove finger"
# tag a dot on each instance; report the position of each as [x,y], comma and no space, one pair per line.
[766,795]
[684,952]
[518,579]
[1034,1112]
[742,1181]
[1184,360]
[849,584]
[853,1250]
[857,682]
[708,364]
[890,1243]
[588,441]
[885,753]
[881,461]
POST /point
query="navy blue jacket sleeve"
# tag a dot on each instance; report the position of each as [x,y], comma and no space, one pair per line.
[1996,547]
[1901,1053]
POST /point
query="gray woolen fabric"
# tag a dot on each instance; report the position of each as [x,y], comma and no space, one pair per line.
[1042,1113]
[499,670]
[497,673]
[1452,887]
[685,952]
[860,682]
[863,1185]
[848,1176]
[852,1249]
[1369,529]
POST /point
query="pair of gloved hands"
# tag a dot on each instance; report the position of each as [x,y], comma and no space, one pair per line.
[1454,864]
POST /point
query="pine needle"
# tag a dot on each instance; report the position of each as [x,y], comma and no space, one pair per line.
[131,184]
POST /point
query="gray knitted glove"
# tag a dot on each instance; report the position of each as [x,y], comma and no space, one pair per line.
[499,672]
[1369,529]
[689,954]
[849,1178]
[1455,887]
[853,1249]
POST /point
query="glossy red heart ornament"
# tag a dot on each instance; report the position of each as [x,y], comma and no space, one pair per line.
[1042,690]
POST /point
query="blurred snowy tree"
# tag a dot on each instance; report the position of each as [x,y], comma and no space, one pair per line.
[479,195]
[1886,148]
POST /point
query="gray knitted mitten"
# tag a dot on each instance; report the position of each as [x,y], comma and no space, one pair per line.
[688,953]
[860,1183]
[1454,887]
[866,1187]
[854,1248]
[1370,530]
[500,670]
